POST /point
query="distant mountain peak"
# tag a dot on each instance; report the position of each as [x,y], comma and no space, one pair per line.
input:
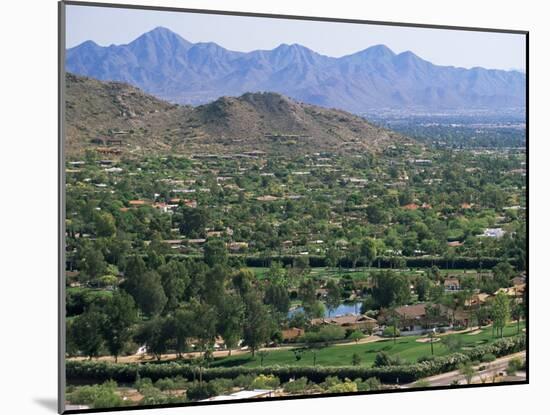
[378,51]
[162,35]
[166,65]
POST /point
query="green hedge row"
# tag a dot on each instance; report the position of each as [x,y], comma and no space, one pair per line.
[126,373]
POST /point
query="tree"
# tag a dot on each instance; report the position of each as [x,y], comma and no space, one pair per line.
[92,262]
[85,332]
[155,334]
[375,213]
[301,264]
[147,291]
[193,220]
[105,224]
[242,281]
[467,371]
[135,266]
[368,251]
[215,253]
[262,354]
[205,322]
[354,253]
[355,359]
[334,296]
[356,335]
[277,296]
[307,292]
[481,314]
[120,315]
[257,322]
[390,288]
[500,312]
[503,272]
[332,257]
[183,323]
[517,313]
[215,282]
[174,279]
[422,285]
[230,320]
[432,336]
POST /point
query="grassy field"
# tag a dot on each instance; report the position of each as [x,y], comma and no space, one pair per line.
[405,347]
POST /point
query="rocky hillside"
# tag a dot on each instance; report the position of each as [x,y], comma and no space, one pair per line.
[118,116]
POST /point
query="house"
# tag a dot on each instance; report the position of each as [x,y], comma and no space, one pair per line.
[163,207]
[292,333]
[237,246]
[454,244]
[476,300]
[516,291]
[520,279]
[411,206]
[417,316]
[452,284]
[137,203]
[174,243]
[410,317]
[267,198]
[494,232]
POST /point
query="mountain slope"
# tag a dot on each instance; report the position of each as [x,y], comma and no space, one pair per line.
[164,64]
[254,121]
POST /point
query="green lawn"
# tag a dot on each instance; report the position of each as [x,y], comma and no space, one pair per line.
[406,347]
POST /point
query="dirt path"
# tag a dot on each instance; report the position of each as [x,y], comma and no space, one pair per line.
[491,370]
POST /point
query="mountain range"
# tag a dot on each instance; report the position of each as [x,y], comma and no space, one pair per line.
[162,63]
[98,110]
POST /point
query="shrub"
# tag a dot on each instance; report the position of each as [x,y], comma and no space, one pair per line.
[342,387]
[165,384]
[297,386]
[384,359]
[265,382]
[355,335]
[143,383]
[422,359]
[371,384]
[222,385]
[199,391]
[453,343]
[488,357]
[96,396]
[243,381]
[389,332]
[513,366]
[153,396]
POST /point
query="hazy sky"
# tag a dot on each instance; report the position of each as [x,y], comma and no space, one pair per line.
[108,26]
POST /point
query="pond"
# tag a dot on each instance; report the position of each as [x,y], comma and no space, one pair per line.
[343,309]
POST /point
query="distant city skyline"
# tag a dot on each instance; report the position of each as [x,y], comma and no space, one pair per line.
[107,26]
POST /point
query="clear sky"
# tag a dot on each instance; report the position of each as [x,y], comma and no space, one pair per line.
[467,49]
